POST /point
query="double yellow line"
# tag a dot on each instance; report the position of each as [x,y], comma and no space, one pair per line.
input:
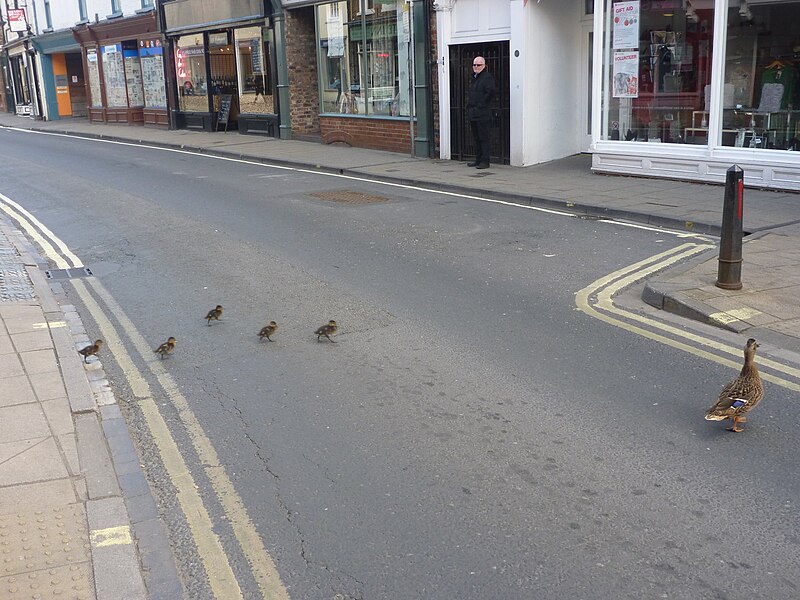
[596,300]
[221,577]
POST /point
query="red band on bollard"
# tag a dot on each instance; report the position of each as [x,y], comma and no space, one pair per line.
[740,200]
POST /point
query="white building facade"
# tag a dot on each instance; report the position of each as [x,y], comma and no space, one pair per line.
[677,89]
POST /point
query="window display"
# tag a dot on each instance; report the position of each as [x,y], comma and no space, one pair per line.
[190,69]
[114,76]
[255,85]
[761,101]
[659,72]
[363,58]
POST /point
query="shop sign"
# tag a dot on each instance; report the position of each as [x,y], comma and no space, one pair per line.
[150,48]
[17,20]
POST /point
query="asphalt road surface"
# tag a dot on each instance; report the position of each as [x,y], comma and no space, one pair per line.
[470,435]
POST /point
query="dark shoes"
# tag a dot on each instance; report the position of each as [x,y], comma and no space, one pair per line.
[482,166]
[472,164]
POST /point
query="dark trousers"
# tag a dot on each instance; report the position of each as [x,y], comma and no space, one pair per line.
[480,135]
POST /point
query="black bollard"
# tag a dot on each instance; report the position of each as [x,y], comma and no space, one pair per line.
[729,275]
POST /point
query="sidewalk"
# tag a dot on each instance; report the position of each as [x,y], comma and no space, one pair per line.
[770,272]
[67,463]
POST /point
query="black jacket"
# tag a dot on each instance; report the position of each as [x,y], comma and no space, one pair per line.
[479,97]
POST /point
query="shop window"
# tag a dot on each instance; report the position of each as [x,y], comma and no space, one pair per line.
[133,74]
[761,97]
[253,71]
[114,76]
[190,70]
[151,56]
[93,68]
[363,58]
[659,70]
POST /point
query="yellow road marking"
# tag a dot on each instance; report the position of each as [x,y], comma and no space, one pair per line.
[212,553]
[605,288]
[51,325]
[110,536]
[209,547]
[261,564]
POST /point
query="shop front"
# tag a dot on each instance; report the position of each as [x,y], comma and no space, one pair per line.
[123,63]
[360,89]
[687,88]
[63,85]
[22,77]
[223,67]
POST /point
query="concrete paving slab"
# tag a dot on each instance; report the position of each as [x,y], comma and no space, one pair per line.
[39,361]
[48,386]
[94,457]
[16,390]
[11,366]
[117,575]
[32,340]
[58,416]
[69,446]
[44,494]
[22,422]
[31,460]
[5,343]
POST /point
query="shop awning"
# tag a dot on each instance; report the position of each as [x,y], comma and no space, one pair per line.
[56,42]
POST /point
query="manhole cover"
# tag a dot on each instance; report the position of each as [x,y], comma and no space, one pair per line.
[349,197]
[68,273]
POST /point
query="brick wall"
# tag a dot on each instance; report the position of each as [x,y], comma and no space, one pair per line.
[3,106]
[301,56]
[434,77]
[376,133]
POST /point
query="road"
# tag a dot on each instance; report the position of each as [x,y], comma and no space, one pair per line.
[471,433]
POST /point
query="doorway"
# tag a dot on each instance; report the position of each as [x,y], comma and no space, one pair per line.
[497,62]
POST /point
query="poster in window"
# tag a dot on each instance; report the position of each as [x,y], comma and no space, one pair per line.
[335,36]
[133,74]
[151,55]
[94,78]
[625,78]
[626,25]
[114,76]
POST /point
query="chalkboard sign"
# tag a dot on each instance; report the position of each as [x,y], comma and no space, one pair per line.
[224,110]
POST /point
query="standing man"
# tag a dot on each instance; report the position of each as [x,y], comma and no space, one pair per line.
[479,115]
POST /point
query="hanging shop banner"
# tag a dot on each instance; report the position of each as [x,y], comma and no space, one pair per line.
[626,75]
[16,19]
[626,25]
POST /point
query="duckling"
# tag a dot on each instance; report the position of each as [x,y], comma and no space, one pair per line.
[166,348]
[90,350]
[214,314]
[742,394]
[327,330]
[267,331]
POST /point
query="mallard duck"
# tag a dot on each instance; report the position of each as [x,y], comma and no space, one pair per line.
[166,348]
[267,331]
[90,350]
[214,314]
[327,330]
[742,394]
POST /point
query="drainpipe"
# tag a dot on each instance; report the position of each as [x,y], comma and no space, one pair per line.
[421,37]
[279,28]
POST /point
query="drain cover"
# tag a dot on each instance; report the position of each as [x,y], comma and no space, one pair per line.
[68,273]
[349,197]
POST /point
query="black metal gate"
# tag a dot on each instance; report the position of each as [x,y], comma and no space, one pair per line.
[496,55]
